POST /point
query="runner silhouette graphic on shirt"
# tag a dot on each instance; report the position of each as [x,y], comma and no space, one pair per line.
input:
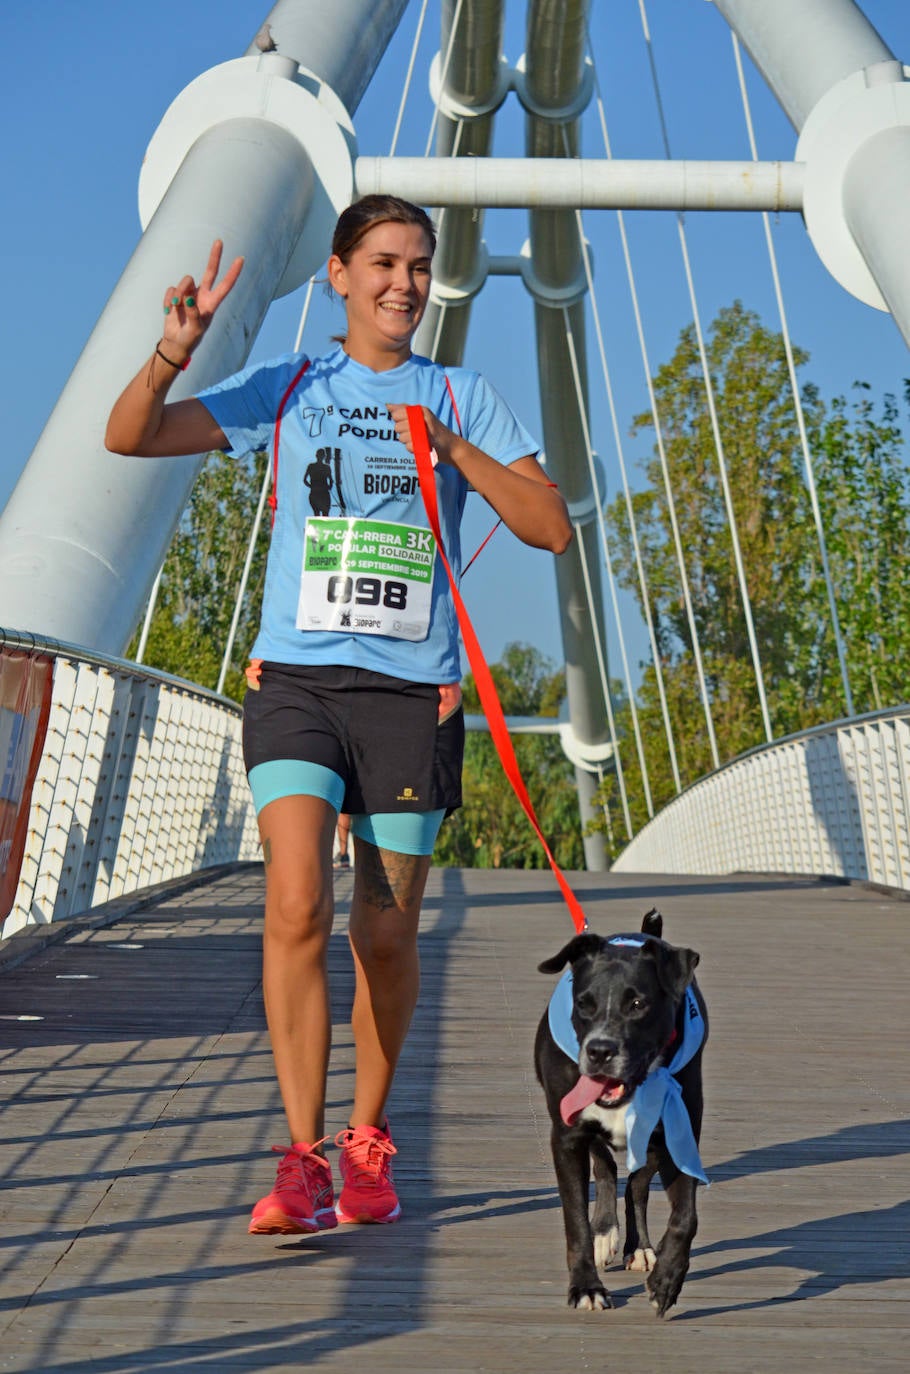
[318,477]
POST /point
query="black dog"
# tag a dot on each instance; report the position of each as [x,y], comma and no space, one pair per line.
[630,1011]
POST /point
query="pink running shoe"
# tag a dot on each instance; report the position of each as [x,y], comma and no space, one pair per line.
[303,1199]
[367,1193]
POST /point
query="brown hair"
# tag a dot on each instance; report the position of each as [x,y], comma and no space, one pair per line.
[358,219]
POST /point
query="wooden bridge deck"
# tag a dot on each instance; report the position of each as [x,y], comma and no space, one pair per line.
[140,1104]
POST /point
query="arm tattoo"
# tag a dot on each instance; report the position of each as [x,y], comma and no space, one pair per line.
[267,852]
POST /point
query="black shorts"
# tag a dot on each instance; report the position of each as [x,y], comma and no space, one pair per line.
[379,735]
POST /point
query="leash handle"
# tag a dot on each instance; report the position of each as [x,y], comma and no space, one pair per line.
[486,687]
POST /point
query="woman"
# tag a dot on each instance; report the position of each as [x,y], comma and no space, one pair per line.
[354,704]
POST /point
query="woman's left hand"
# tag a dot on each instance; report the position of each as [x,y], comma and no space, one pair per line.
[439,435]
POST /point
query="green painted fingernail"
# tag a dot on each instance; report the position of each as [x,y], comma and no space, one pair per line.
[175,300]
[190,301]
[167,310]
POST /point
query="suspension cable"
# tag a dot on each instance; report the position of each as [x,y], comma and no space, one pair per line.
[608,822]
[611,581]
[443,74]
[712,407]
[630,511]
[659,439]
[598,649]
[797,398]
[149,613]
[257,522]
[405,91]
[633,527]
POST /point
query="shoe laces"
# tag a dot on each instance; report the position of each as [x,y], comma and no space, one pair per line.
[297,1166]
[369,1157]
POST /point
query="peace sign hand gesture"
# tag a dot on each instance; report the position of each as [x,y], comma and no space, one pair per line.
[189,308]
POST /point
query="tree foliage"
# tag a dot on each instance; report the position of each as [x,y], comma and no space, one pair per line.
[201,577]
[862,483]
[491,830]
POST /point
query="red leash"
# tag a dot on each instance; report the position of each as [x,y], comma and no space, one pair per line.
[486,687]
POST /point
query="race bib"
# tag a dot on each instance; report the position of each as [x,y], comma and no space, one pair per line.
[366,577]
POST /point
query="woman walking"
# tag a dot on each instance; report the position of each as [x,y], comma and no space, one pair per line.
[353,704]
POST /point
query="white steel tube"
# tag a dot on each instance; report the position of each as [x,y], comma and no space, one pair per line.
[586,184]
[341,42]
[466,81]
[804,49]
[554,84]
[85,532]
[876,205]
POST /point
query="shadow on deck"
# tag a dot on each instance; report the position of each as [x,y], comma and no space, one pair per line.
[140,1104]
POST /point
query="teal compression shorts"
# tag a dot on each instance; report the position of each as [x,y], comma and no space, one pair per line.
[369,745]
[403,832]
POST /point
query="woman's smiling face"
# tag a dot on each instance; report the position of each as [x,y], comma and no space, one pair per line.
[385,285]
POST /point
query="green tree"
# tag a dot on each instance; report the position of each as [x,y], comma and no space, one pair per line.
[491,830]
[864,489]
[201,577]
[861,476]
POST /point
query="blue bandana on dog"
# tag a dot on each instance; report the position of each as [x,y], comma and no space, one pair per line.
[659,1097]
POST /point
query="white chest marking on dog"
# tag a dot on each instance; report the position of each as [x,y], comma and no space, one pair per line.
[611,1120]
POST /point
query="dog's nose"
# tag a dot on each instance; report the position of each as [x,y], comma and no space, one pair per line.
[600,1053]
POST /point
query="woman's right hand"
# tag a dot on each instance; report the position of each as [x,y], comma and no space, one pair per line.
[189,307]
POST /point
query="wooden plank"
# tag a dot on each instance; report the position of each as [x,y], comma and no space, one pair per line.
[140,1109]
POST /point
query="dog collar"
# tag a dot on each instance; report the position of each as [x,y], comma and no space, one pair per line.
[659,1098]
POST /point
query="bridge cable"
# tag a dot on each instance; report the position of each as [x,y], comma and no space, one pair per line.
[712,409]
[418,31]
[630,510]
[257,521]
[447,61]
[659,439]
[598,649]
[149,613]
[604,680]
[797,398]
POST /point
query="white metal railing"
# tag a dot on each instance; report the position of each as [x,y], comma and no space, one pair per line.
[141,779]
[831,801]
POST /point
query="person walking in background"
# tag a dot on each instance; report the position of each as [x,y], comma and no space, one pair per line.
[354,705]
[342,838]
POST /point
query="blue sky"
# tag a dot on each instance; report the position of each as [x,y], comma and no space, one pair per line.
[86,85]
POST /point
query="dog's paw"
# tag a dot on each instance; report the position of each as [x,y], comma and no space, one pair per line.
[641,1261]
[606,1247]
[662,1291]
[594,1299]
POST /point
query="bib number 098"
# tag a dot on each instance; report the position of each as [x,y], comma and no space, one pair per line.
[367,591]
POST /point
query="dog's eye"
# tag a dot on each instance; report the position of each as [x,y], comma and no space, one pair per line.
[638,1004]
[585,1004]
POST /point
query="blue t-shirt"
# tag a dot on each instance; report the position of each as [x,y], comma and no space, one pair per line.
[339,455]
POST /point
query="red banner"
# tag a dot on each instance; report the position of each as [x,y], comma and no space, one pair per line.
[26,682]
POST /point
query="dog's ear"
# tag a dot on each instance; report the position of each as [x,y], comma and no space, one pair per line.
[577,948]
[675,967]
[653,923]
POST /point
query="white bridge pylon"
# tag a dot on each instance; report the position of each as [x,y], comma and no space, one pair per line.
[82,539]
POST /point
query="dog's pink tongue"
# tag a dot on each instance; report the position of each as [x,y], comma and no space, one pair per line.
[586,1091]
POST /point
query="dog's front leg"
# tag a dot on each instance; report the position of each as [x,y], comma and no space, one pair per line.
[638,1254]
[666,1279]
[572,1162]
[604,1222]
